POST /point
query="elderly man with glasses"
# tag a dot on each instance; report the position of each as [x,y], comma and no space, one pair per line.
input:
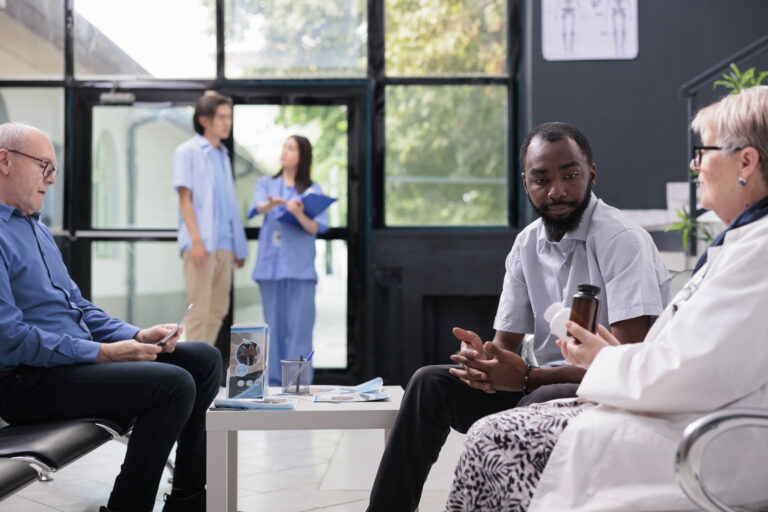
[61,357]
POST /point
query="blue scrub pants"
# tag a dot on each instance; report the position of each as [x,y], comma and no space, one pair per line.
[289,310]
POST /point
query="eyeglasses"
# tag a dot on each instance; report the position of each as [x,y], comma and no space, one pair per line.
[48,168]
[698,152]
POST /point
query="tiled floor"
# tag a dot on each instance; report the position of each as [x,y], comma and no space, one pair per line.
[291,471]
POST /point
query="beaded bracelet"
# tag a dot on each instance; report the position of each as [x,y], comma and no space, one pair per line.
[525,378]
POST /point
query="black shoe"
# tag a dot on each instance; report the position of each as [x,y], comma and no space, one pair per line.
[192,503]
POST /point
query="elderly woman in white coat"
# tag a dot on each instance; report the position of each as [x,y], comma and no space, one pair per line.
[613,448]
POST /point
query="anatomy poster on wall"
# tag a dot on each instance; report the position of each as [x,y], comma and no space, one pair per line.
[589,29]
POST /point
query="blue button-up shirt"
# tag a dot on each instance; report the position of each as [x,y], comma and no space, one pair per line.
[286,251]
[224,239]
[44,320]
[192,169]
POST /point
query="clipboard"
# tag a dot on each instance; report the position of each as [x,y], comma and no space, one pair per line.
[314,205]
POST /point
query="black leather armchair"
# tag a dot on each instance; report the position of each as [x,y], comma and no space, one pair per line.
[35,451]
[14,476]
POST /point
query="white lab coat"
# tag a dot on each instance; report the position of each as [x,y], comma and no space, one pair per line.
[712,353]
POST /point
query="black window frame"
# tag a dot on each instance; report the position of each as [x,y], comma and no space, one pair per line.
[365,98]
[380,81]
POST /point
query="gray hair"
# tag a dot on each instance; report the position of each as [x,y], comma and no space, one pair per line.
[737,121]
[14,135]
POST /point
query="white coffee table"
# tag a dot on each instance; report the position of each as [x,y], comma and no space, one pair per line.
[223,425]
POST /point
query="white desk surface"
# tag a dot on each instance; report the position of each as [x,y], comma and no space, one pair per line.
[222,427]
[310,415]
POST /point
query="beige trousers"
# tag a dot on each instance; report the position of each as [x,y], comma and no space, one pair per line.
[208,288]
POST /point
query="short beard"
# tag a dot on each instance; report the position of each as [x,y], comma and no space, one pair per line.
[569,223]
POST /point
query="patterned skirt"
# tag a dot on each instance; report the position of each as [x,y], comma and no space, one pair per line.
[505,454]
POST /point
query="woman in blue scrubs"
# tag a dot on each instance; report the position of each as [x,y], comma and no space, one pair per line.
[285,266]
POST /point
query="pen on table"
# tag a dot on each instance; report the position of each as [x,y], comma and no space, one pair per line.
[298,372]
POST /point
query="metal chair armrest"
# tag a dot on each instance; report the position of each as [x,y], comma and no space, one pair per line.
[694,443]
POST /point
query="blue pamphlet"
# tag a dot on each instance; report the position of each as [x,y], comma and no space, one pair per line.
[266,403]
[314,205]
[247,372]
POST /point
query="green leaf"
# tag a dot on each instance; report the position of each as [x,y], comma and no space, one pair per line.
[677,226]
[725,83]
[686,224]
[748,76]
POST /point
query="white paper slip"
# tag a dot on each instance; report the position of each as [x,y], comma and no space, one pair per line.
[369,391]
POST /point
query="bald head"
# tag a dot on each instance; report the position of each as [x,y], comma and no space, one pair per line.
[25,153]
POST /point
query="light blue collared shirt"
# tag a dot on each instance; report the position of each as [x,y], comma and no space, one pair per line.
[286,251]
[224,238]
[193,169]
[44,320]
[606,249]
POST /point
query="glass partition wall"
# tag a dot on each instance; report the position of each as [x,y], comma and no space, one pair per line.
[409,106]
[135,269]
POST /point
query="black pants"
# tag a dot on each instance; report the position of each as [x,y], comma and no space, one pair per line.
[168,398]
[435,401]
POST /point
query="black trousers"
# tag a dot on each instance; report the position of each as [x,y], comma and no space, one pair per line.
[435,401]
[168,397]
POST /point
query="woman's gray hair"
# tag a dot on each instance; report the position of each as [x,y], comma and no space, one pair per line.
[14,135]
[737,121]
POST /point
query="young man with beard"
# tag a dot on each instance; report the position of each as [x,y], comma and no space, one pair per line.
[578,239]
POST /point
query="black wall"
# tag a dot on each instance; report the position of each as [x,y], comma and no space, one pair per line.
[631,110]
[423,282]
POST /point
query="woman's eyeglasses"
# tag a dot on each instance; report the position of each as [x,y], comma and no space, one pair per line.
[698,152]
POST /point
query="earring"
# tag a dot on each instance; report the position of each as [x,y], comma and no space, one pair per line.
[742,181]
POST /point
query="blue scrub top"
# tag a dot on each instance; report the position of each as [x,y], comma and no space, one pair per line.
[293,255]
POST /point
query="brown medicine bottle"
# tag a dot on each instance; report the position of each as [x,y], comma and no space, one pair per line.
[585,308]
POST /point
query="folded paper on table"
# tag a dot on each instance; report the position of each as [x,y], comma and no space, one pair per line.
[368,391]
[266,403]
[314,205]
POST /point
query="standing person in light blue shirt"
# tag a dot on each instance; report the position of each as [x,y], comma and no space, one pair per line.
[285,267]
[211,235]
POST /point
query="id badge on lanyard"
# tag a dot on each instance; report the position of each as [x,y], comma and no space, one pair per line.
[277,234]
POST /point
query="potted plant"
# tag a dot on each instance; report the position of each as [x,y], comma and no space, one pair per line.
[737,81]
